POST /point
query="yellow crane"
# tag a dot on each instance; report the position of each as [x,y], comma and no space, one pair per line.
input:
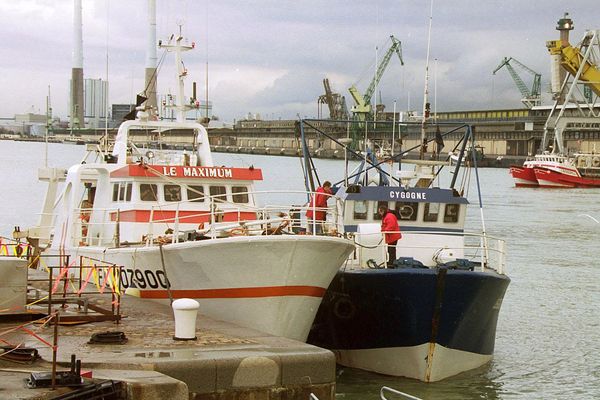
[572,66]
[576,61]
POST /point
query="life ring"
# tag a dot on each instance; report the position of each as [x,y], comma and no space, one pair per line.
[596,162]
[343,308]
[406,212]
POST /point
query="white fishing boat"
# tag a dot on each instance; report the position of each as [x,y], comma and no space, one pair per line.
[182,227]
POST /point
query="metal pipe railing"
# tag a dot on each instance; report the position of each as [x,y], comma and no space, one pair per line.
[493,246]
[397,392]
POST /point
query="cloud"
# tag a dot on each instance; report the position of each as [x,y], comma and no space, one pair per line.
[270,56]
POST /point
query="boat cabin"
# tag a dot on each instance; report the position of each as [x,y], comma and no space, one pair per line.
[136,196]
[430,219]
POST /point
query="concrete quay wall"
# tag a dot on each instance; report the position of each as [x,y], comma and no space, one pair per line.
[226,362]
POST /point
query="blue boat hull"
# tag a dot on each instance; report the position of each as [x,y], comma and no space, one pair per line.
[372,309]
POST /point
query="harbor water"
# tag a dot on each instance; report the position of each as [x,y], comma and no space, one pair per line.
[549,325]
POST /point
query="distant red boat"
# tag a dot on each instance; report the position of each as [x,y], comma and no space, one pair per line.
[558,171]
[523,176]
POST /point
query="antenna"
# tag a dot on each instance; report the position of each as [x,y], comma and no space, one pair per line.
[106,94]
[426,105]
[206,25]
[48,125]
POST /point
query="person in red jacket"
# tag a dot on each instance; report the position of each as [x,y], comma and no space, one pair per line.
[391,231]
[316,208]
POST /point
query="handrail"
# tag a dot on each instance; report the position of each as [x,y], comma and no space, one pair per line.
[495,248]
[394,391]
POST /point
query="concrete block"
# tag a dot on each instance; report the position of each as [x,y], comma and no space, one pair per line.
[248,372]
[316,367]
[147,385]
[200,375]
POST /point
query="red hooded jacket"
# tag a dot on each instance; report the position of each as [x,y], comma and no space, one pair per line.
[318,200]
[389,225]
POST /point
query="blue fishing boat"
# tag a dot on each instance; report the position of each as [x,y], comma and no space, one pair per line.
[431,312]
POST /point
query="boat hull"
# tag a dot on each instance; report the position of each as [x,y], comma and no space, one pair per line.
[419,323]
[270,283]
[523,176]
[556,179]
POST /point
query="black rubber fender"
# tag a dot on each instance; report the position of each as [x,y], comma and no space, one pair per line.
[344,308]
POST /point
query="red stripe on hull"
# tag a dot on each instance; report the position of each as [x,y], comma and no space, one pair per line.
[526,185]
[236,293]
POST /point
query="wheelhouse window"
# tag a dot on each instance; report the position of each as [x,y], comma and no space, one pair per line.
[122,191]
[172,192]
[148,192]
[219,192]
[431,212]
[195,193]
[407,211]
[376,215]
[239,194]
[361,208]
[451,212]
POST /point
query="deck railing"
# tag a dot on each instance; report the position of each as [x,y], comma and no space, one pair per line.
[220,218]
[484,251]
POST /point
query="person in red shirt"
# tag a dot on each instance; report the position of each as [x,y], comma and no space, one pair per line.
[316,208]
[391,232]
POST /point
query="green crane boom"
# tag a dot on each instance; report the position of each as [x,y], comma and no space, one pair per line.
[530,97]
[362,107]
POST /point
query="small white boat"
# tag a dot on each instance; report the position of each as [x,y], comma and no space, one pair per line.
[182,227]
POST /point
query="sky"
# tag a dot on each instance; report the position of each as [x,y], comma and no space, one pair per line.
[269,57]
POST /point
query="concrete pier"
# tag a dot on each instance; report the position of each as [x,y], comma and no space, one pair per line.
[225,362]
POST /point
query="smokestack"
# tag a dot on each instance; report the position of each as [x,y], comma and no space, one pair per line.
[150,84]
[77,70]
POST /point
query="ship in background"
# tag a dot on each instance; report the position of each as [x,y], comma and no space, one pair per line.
[576,85]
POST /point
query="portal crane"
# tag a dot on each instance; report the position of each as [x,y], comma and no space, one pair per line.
[362,108]
[577,61]
[582,65]
[335,102]
[530,97]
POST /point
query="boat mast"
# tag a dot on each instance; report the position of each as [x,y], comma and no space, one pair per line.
[48,125]
[426,105]
[181,72]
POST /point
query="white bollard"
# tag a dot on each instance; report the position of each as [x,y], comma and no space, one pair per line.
[185,311]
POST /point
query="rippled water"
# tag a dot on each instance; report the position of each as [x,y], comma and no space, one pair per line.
[549,326]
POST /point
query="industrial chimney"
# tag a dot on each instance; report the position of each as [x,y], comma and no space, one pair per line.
[150,84]
[76,113]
